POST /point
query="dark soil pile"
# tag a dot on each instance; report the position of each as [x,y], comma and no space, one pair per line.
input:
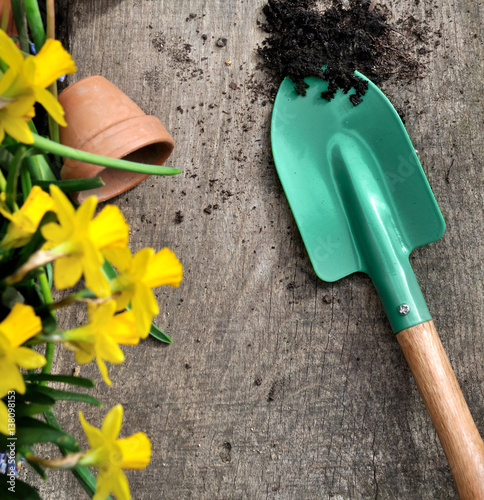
[351,35]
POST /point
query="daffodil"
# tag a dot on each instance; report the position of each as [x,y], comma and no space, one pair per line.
[78,240]
[140,273]
[19,326]
[24,222]
[100,337]
[4,418]
[25,83]
[111,455]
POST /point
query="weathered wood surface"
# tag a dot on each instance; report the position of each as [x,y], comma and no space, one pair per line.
[268,391]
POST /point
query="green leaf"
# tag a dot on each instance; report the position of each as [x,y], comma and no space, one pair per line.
[31,431]
[23,491]
[29,410]
[159,334]
[109,270]
[34,20]
[59,395]
[39,168]
[32,395]
[72,186]
[41,377]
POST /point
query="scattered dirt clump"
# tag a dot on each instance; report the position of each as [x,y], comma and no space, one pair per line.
[351,35]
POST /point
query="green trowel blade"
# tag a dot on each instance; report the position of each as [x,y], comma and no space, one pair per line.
[357,191]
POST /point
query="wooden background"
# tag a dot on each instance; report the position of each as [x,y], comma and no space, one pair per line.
[269,391]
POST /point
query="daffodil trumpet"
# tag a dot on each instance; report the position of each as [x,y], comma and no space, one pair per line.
[49,146]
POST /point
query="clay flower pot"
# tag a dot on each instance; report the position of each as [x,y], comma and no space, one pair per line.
[101,119]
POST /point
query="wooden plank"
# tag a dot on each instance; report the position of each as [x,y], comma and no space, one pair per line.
[278,385]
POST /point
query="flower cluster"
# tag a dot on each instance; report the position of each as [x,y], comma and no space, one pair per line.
[24,83]
[46,241]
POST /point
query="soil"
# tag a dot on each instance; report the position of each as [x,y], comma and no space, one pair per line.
[351,35]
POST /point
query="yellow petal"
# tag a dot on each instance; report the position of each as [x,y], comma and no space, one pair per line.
[38,202]
[141,262]
[164,269]
[67,271]
[107,349]
[136,451]
[63,207]
[123,300]
[119,257]
[4,419]
[145,308]
[94,435]
[17,128]
[121,487]
[25,221]
[27,358]
[109,228]
[84,351]
[96,280]
[20,325]
[122,328]
[112,422]
[106,479]
[22,107]
[10,377]
[19,231]
[101,315]
[103,369]
[51,105]
[54,235]
[52,62]
[7,81]
[85,212]
[10,53]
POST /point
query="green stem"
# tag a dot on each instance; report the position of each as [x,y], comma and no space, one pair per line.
[38,165]
[50,346]
[52,147]
[25,182]
[12,178]
[35,22]
[21,24]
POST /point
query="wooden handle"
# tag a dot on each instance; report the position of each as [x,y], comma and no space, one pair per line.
[446,405]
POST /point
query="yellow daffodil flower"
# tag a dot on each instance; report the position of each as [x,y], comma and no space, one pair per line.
[79,240]
[111,455]
[140,273]
[100,337]
[4,418]
[25,82]
[19,326]
[24,222]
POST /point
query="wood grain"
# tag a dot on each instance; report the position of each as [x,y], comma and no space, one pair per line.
[278,386]
[447,407]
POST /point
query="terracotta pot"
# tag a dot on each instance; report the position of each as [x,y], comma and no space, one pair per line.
[10,29]
[101,119]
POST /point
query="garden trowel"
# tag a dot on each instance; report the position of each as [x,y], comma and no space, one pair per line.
[362,203]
